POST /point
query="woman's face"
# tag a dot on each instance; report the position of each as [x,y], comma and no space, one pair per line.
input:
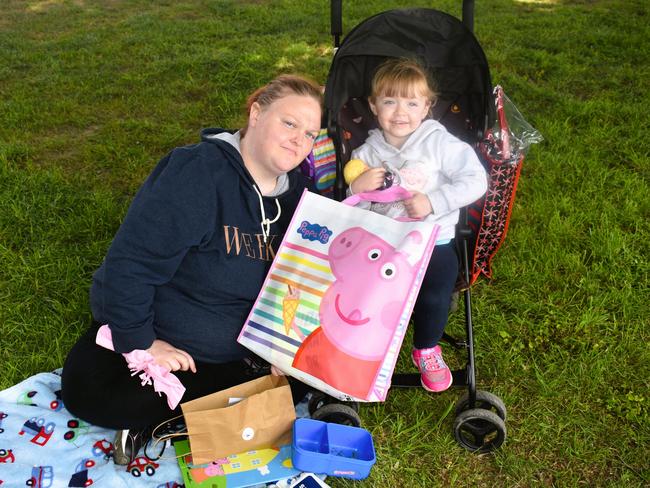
[281,135]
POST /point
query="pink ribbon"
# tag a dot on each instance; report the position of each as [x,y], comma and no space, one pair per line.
[139,360]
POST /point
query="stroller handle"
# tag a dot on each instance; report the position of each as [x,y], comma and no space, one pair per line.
[336,18]
[468,14]
[336,21]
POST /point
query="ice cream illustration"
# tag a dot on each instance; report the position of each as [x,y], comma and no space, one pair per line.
[290,304]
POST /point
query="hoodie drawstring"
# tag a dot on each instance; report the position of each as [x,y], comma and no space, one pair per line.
[266,223]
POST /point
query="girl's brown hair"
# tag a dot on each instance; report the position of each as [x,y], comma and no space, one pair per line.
[402,77]
[281,87]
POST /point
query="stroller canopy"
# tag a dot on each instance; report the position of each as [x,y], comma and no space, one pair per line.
[445,46]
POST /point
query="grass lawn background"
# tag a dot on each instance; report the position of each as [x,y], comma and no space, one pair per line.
[93,93]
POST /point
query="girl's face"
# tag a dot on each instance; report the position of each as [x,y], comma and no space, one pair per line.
[399,116]
[281,135]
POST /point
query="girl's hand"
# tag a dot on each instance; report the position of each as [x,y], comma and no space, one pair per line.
[168,356]
[418,206]
[370,180]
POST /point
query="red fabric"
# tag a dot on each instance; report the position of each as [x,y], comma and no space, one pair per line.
[322,359]
[497,207]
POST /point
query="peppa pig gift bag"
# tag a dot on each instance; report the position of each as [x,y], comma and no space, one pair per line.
[336,302]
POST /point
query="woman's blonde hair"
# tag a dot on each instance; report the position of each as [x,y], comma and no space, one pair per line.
[281,87]
[401,77]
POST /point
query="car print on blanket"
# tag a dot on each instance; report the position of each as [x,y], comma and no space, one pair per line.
[43,445]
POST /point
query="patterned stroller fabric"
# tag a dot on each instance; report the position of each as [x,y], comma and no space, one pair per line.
[324,164]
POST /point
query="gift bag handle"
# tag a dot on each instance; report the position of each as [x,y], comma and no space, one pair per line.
[391,194]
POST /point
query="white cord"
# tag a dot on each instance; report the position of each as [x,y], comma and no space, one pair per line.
[266,223]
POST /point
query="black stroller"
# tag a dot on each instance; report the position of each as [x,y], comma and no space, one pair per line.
[466,107]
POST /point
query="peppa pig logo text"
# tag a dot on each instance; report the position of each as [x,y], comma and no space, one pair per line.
[314,232]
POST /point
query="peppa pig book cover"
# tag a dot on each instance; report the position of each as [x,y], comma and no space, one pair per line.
[335,305]
[261,467]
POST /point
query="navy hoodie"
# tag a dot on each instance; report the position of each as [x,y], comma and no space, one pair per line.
[189,259]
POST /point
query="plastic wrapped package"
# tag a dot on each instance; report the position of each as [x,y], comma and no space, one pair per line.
[511,137]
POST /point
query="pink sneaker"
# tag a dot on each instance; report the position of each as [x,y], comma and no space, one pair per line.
[435,374]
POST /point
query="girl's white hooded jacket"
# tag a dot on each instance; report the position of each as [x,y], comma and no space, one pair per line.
[433,162]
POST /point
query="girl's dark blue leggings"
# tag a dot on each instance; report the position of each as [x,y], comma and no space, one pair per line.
[432,306]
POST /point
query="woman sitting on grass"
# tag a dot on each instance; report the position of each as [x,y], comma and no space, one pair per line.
[187,264]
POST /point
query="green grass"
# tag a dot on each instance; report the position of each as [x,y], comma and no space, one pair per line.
[92,93]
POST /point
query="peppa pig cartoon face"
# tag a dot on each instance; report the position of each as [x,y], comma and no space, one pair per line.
[358,319]
[414,176]
[215,467]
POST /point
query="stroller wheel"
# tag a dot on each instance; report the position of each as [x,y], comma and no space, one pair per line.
[479,430]
[319,399]
[338,413]
[485,401]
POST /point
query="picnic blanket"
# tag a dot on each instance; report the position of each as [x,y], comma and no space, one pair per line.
[42,445]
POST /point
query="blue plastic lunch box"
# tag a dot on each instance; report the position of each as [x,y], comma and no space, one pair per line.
[332,449]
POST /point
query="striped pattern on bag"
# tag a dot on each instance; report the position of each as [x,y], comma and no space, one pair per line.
[294,262]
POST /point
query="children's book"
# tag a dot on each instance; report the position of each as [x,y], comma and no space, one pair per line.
[251,468]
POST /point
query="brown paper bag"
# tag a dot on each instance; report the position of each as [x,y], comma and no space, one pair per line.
[262,418]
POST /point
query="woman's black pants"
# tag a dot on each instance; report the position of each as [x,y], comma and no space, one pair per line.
[97,386]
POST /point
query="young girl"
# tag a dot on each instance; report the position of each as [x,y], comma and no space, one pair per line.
[442,173]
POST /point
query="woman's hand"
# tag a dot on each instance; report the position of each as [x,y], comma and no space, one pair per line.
[418,206]
[276,372]
[168,356]
[370,180]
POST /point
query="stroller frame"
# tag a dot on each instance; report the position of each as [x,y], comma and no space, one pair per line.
[480,416]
